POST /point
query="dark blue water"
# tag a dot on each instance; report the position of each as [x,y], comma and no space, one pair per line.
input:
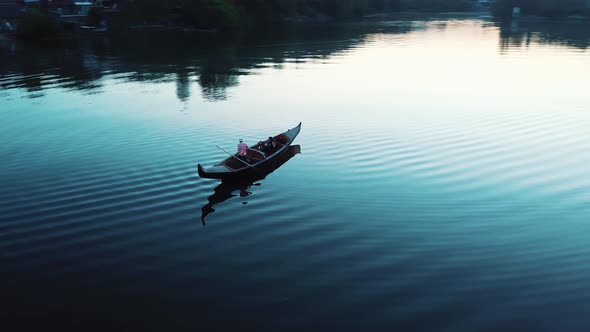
[442,183]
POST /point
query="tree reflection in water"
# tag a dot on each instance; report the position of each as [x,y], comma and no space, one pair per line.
[216,62]
[524,32]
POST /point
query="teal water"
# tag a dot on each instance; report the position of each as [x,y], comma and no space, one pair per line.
[442,185]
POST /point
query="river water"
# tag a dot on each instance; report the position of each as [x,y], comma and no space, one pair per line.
[443,180]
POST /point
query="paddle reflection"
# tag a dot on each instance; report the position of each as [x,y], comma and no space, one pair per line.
[228,188]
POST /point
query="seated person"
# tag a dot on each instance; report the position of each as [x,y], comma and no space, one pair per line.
[242,148]
[270,144]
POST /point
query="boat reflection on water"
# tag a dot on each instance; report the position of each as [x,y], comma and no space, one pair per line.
[228,187]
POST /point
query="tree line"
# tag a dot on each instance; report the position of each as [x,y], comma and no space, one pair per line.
[542,7]
[226,15]
[233,14]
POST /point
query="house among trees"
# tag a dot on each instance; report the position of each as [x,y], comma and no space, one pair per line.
[54,16]
[78,6]
[12,9]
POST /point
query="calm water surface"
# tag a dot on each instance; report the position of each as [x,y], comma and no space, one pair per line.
[443,183]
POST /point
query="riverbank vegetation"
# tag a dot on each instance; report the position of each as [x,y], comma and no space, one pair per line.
[227,15]
[236,15]
[437,5]
[547,8]
[37,25]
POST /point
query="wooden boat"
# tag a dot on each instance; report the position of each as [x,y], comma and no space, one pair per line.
[257,156]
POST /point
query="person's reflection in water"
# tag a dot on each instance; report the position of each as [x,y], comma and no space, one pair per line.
[226,189]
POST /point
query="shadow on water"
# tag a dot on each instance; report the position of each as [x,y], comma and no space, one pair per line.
[228,188]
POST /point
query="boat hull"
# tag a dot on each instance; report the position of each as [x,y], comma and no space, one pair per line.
[222,172]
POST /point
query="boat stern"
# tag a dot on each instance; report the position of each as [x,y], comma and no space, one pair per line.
[214,172]
[202,172]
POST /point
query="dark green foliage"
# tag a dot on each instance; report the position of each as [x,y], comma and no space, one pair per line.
[288,7]
[263,11]
[343,8]
[386,5]
[94,16]
[149,11]
[231,14]
[203,14]
[139,12]
[44,5]
[37,25]
[211,14]
[503,8]
[438,5]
